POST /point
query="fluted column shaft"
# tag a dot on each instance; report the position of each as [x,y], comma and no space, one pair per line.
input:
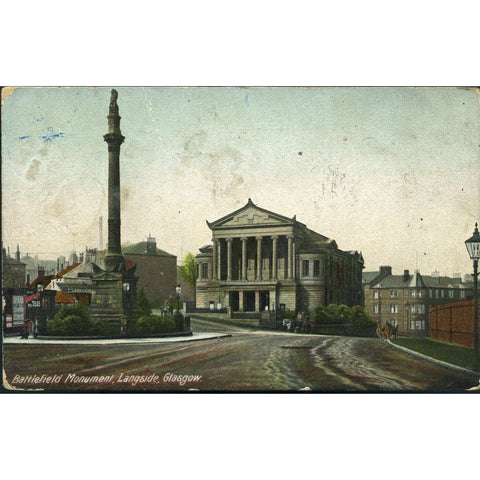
[214,260]
[229,258]
[290,257]
[274,257]
[244,258]
[259,258]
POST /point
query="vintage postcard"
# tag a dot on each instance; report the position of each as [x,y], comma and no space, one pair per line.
[240,239]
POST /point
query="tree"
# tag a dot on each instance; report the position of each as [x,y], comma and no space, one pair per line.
[188,271]
[142,305]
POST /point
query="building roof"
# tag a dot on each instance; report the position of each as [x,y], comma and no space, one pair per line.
[417,280]
[64,297]
[251,206]
[141,249]
[67,270]
[393,281]
[44,281]
[367,277]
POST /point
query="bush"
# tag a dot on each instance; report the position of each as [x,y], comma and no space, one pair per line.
[107,329]
[72,321]
[178,320]
[142,306]
[287,315]
[359,322]
[151,325]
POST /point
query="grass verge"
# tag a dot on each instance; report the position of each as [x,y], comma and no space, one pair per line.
[447,352]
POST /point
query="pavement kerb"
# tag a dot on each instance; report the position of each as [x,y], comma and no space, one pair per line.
[434,360]
[136,341]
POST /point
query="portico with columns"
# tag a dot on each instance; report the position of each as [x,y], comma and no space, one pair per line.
[254,262]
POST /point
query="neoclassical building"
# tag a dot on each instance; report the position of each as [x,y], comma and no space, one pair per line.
[260,260]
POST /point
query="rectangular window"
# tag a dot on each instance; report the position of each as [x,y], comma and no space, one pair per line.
[414,293]
[376,308]
[375,294]
[393,293]
[450,293]
[421,293]
[316,268]
[436,293]
[204,270]
[462,293]
[394,308]
[417,325]
[305,268]
[431,293]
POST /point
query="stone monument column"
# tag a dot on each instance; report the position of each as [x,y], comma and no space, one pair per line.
[114,138]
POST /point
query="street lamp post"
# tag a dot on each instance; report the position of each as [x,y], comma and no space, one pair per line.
[473,248]
[178,290]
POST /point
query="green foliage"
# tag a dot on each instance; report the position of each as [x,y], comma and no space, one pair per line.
[77,310]
[178,319]
[107,329]
[142,306]
[358,321]
[152,324]
[72,321]
[188,271]
[75,321]
[287,315]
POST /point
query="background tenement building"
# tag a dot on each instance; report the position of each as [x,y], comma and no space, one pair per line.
[260,260]
[156,269]
[404,300]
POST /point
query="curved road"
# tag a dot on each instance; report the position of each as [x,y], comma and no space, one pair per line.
[248,360]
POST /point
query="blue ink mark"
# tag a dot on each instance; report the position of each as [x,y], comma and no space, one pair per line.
[22,138]
[246,100]
[75,110]
[39,119]
[51,135]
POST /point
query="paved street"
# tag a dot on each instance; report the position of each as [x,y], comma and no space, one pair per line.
[248,360]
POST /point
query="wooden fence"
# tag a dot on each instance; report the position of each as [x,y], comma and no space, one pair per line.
[452,323]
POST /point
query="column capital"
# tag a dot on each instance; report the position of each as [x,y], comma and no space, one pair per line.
[259,237]
[243,239]
[274,237]
[229,239]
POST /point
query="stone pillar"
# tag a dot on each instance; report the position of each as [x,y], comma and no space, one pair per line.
[273,299]
[274,257]
[290,257]
[213,275]
[219,260]
[257,301]
[229,258]
[259,258]
[240,301]
[114,139]
[244,258]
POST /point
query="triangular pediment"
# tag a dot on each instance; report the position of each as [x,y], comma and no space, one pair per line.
[251,215]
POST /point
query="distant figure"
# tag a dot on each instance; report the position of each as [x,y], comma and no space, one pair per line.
[379,330]
[35,328]
[308,325]
[27,326]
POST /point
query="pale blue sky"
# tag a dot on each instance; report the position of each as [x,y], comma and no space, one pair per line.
[392,172]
